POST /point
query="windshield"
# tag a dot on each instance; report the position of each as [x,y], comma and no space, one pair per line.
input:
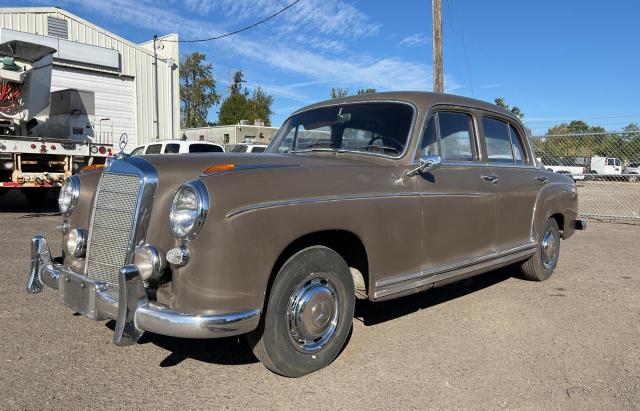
[380,128]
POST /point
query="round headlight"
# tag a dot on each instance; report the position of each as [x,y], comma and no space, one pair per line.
[69,193]
[189,210]
[149,262]
[77,242]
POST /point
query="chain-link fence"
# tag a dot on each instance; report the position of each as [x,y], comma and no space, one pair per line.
[605,166]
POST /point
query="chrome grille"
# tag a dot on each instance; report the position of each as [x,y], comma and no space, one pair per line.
[112,226]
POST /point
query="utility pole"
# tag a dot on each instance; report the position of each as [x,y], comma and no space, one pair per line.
[155,83]
[438,77]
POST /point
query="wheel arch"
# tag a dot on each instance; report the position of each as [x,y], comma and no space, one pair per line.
[346,243]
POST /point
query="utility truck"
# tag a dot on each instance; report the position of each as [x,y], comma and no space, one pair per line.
[36,155]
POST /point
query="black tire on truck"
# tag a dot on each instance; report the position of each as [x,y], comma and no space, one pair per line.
[308,314]
[542,264]
[40,198]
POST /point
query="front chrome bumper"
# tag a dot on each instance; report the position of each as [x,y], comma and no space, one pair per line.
[137,314]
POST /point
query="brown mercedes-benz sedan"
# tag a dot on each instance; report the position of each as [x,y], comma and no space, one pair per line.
[374,196]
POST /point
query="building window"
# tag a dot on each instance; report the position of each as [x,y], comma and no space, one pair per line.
[226,139]
[201,137]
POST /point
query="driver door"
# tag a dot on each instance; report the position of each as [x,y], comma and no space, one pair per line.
[458,199]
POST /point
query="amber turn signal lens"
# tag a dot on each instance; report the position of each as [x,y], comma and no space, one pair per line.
[93,167]
[218,167]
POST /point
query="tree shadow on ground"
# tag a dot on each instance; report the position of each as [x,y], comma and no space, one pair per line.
[15,201]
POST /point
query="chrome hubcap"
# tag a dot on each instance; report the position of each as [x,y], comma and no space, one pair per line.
[312,314]
[549,249]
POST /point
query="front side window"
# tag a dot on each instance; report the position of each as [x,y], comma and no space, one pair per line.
[429,144]
[456,139]
[377,128]
[610,162]
[154,149]
[138,151]
[498,140]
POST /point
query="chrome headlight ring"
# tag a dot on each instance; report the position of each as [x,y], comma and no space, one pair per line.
[189,210]
[68,197]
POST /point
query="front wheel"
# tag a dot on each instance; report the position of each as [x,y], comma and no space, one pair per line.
[541,265]
[308,315]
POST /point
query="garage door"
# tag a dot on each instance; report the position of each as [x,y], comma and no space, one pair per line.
[115,98]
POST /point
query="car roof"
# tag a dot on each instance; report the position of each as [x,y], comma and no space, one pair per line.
[177,141]
[418,98]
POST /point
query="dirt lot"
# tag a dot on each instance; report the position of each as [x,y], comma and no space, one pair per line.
[493,342]
[610,198]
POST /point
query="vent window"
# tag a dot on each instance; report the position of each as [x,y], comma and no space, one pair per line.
[57,28]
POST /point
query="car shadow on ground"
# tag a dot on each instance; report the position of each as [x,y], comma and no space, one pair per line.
[376,313]
[236,350]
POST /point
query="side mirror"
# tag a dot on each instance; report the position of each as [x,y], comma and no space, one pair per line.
[427,163]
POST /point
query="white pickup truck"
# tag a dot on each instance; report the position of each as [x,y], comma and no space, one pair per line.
[565,165]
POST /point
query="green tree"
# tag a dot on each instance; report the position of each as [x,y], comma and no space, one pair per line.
[240,106]
[197,90]
[500,102]
[338,92]
[260,106]
[366,91]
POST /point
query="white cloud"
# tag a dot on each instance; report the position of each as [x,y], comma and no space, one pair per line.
[414,40]
[345,69]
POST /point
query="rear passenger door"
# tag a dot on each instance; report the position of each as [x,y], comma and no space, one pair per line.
[518,180]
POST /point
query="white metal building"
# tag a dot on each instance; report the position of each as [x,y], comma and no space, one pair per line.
[120,73]
[235,134]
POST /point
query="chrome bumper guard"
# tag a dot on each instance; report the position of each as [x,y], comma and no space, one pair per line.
[137,314]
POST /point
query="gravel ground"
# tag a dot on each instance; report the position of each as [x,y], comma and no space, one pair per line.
[491,342]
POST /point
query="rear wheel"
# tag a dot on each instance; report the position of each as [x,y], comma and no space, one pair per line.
[541,265]
[308,315]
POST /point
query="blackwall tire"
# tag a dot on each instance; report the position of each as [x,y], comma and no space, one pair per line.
[542,264]
[308,315]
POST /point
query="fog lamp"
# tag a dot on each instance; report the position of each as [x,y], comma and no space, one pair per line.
[7,165]
[150,263]
[77,242]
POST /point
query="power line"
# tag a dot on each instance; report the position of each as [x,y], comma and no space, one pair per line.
[464,45]
[236,31]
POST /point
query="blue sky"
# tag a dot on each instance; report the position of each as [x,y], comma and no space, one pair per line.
[557,60]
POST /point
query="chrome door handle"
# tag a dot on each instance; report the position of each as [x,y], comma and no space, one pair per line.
[491,177]
[542,179]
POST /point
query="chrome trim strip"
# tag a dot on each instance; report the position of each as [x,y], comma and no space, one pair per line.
[281,203]
[404,282]
[277,139]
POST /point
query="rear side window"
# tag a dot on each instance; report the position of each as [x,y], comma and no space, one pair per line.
[455,136]
[518,150]
[610,162]
[172,148]
[154,149]
[498,140]
[205,148]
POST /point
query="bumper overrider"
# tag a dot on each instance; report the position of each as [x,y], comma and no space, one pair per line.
[132,310]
